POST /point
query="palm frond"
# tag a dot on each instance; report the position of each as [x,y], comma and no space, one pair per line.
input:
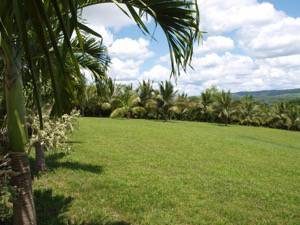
[179,19]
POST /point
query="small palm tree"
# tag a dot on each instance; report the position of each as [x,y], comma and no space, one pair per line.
[293,117]
[167,95]
[207,99]
[247,111]
[180,104]
[145,91]
[126,101]
[224,106]
[278,115]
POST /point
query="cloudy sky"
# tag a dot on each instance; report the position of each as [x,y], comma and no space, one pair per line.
[249,45]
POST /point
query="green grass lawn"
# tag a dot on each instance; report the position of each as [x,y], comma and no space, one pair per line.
[125,172]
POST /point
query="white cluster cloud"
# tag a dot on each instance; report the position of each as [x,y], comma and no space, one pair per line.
[215,44]
[157,73]
[128,48]
[280,38]
[106,15]
[127,57]
[248,46]
[127,54]
[219,16]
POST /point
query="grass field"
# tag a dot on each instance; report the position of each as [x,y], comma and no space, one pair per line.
[140,172]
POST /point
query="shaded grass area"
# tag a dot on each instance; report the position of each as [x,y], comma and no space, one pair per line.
[125,172]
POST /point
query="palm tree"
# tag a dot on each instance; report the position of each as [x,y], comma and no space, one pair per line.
[106,90]
[285,115]
[248,111]
[293,117]
[126,100]
[278,115]
[186,108]
[206,101]
[167,95]
[224,106]
[145,91]
[91,56]
[42,21]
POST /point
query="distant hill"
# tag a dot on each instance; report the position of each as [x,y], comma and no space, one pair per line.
[271,95]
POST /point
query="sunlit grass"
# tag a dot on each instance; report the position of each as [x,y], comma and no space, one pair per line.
[163,173]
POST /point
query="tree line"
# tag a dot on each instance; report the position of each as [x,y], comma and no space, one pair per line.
[108,99]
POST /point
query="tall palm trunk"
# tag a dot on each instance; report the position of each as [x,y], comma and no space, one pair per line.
[23,204]
[40,164]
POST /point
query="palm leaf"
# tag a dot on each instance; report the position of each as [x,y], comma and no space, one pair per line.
[179,19]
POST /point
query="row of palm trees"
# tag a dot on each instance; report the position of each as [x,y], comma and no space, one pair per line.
[213,105]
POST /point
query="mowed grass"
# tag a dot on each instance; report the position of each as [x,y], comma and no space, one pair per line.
[169,173]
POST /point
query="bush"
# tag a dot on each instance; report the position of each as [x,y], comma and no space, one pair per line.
[105,109]
[119,113]
[138,112]
[55,132]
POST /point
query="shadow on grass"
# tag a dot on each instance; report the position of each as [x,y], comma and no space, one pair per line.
[50,210]
[49,207]
[54,164]
[54,161]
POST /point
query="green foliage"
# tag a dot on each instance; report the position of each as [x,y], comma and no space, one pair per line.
[55,132]
[224,106]
[138,112]
[213,105]
[120,112]
[53,136]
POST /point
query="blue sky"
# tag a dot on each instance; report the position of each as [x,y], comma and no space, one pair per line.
[249,45]
[291,7]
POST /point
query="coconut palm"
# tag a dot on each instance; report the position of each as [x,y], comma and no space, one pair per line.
[207,99]
[106,92]
[285,115]
[186,108]
[247,111]
[126,100]
[145,91]
[224,106]
[292,116]
[167,95]
[278,115]
[91,56]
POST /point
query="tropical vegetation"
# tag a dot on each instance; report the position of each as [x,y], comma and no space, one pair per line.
[165,103]
[44,49]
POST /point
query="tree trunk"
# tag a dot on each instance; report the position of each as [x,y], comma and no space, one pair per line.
[24,210]
[23,204]
[40,164]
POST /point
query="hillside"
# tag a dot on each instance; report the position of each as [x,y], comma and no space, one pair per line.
[272,95]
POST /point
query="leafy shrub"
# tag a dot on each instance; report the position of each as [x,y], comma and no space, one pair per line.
[53,136]
[55,131]
[119,113]
[138,112]
[105,106]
